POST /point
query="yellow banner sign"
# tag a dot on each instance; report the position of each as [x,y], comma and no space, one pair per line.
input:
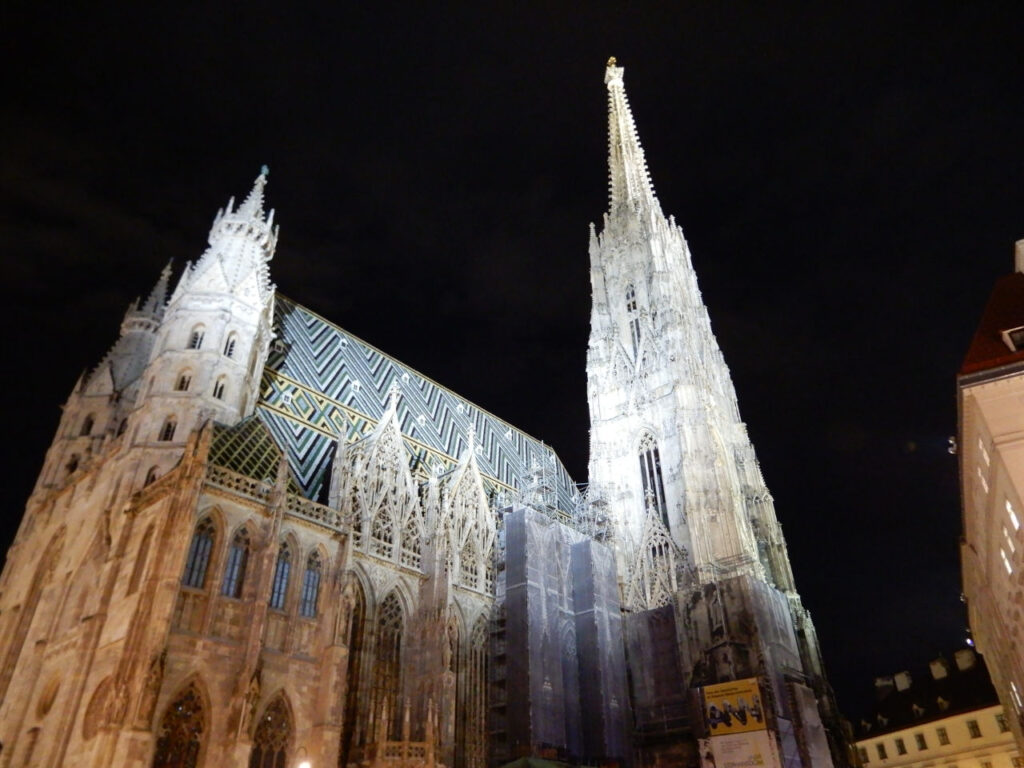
[733,707]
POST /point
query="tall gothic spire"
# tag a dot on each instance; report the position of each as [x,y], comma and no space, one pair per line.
[629,182]
[154,305]
[252,207]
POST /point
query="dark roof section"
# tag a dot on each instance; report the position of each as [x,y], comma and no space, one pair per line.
[928,698]
[249,449]
[1005,310]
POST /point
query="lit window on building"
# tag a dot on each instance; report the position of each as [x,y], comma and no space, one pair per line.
[1009,541]
[1001,722]
[921,743]
[943,736]
[982,480]
[984,453]
[1018,704]
[1006,561]
[974,729]
[1013,515]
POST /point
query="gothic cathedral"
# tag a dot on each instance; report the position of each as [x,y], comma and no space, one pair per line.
[256,540]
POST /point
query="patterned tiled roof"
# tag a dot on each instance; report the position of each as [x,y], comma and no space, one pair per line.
[322,384]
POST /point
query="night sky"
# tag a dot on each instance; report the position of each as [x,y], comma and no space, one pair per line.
[849,183]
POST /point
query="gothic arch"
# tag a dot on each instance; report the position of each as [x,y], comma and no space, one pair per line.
[207,533]
[652,480]
[355,592]
[181,735]
[273,734]
[282,583]
[95,710]
[390,624]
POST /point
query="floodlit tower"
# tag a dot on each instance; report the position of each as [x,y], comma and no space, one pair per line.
[694,523]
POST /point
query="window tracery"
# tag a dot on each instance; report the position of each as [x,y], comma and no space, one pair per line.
[229,346]
[282,571]
[195,339]
[180,737]
[651,477]
[167,431]
[382,534]
[310,586]
[469,564]
[387,665]
[354,713]
[273,737]
[198,560]
[219,387]
[184,381]
[633,317]
[411,543]
[234,569]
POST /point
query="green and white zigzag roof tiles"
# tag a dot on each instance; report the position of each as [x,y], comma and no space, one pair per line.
[321,383]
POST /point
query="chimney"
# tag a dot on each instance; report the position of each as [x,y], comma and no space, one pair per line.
[940,668]
[902,680]
[965,659]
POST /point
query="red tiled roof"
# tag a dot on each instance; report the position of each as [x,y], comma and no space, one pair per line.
[1005,310]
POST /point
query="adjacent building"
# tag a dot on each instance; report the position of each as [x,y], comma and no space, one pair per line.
[950,717]
[990,389]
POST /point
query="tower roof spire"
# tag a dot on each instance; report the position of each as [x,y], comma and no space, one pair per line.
[252,207]
[628,182]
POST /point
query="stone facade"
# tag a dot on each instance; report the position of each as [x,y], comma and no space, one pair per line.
[257,540]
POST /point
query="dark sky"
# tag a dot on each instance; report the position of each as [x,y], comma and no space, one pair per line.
[849,183]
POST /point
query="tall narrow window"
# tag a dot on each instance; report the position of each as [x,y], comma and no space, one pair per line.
[218,388]
[229,346]
[183,382]
[650,475]
[195,339]
[87,426]
[974,729]
[234,569]
[122,427]
[282,571]
[152,476]
[633,316]
[180,738]
[272,741]
[310,586]
[167,432]
[199,555]
[388,665]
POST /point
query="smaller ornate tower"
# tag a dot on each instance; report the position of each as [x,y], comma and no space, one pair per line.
[213,341]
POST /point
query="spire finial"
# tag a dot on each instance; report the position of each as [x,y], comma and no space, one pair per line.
[253,205]
[394,392]
[158,296]
[627,168]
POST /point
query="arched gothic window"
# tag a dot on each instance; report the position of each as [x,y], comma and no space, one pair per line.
[310,586]
[72,463]
[152,476]
[167,432]
[229,345]
[234,568]
[272,741]
[469,565]
[195,339]
[199,555]
[282,571]
[471,723]
[87,426]
[180,738]
[184,381]
[354,694]
[387,665]
[633,316]
[411,544]
[650,475]
[219,387]
[382,534]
